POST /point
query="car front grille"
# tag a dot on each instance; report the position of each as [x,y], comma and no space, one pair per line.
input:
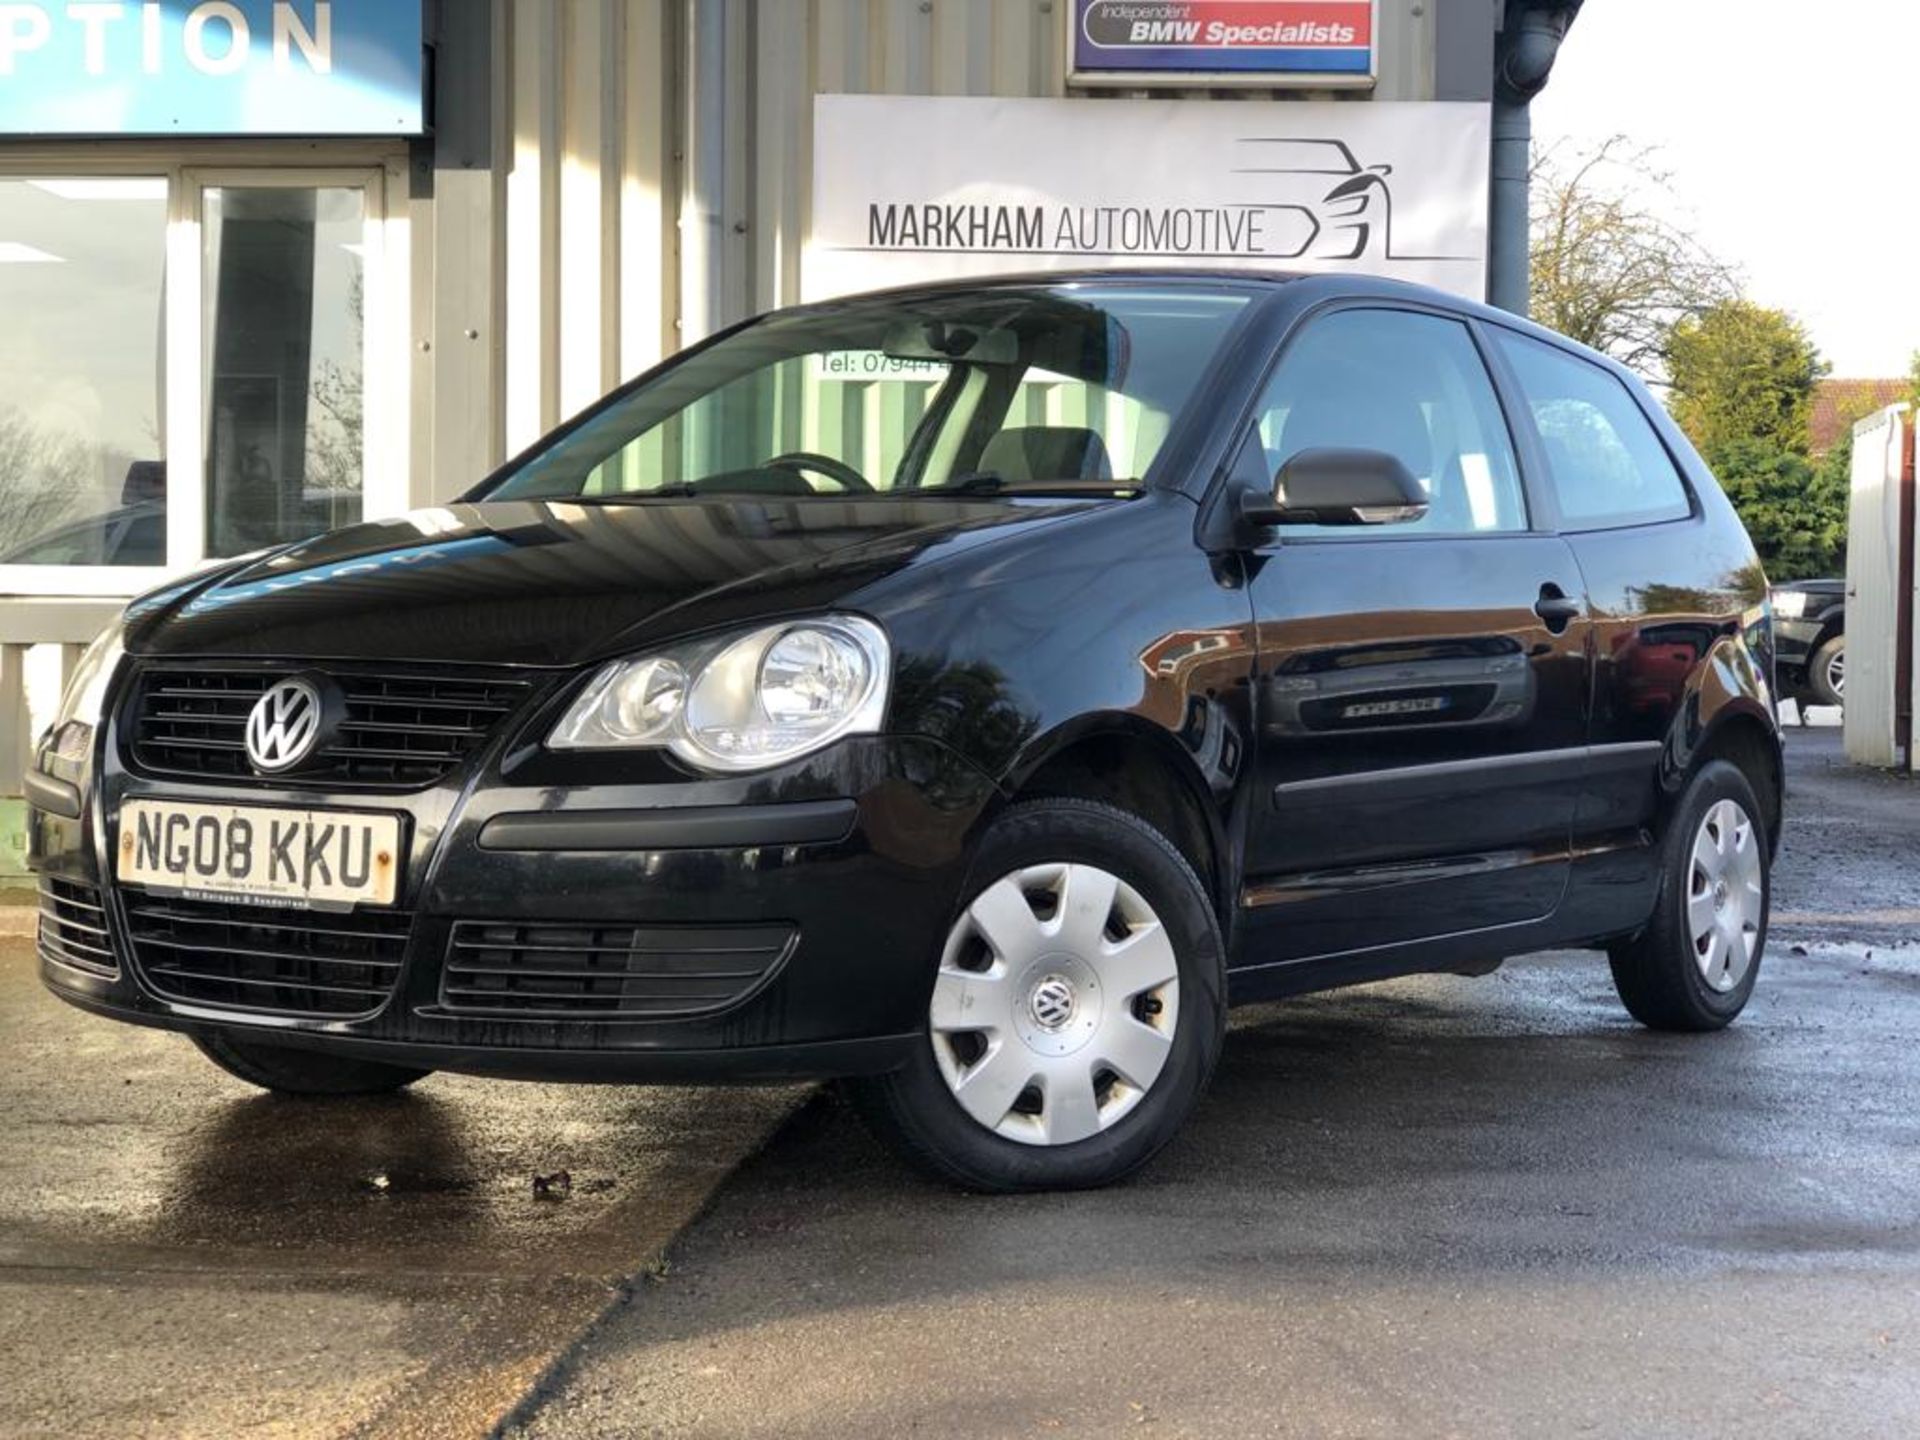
[73,929]
[606,972]
[401,731]
[272,960]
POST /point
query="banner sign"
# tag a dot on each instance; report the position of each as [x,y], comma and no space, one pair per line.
[211,67]
[1389,189]
[1265,42]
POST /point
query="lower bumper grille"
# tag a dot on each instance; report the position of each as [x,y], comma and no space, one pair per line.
[280,961]
[73,929]
[607,972]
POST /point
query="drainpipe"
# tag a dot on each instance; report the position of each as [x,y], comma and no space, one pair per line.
[1529,42]
[703,190]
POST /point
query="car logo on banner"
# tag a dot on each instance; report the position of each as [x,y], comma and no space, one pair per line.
[284,726]
[1387,189]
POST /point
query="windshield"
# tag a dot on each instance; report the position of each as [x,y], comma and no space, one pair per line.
[993,389]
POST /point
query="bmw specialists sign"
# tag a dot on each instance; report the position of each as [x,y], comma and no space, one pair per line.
[1256,42]
[1389,189]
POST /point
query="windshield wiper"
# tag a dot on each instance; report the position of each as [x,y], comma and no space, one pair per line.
[677,491]
[992,482]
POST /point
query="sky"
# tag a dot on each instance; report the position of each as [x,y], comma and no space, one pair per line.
[1787,129]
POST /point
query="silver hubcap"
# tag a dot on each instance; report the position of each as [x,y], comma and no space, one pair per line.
[1055,1006]
[1837,673]
[1726,894]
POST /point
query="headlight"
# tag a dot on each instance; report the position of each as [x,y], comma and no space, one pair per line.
[1790,604]
[86,695]
[739,702]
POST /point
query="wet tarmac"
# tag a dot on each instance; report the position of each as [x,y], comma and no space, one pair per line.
[182,1256]
[1438,1207]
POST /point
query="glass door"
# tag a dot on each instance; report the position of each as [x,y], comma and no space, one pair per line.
[292,397]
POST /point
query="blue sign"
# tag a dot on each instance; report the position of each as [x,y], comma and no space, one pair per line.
[210,67]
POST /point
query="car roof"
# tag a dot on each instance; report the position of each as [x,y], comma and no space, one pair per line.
[1307,287]
[1297,290]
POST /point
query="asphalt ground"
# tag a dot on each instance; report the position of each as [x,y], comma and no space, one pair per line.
[1437,1207]
[181,1255]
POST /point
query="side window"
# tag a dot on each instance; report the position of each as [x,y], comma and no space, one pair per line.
[1607,464]
[1414,386]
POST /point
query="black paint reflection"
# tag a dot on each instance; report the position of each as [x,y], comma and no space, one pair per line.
[1460,681]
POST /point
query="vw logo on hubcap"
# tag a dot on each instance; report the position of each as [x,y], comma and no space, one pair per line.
[283,726]
[1052,1002]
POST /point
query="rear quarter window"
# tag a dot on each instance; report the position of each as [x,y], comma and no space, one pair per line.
[1606,463]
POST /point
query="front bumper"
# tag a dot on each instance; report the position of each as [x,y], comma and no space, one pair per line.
[860,859]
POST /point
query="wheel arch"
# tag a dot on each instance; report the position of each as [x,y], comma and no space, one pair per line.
[1751,746]
[1142,769]
[1726,713]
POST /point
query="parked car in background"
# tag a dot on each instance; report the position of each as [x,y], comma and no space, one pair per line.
[130,535]
[1810,640]
[1199,639]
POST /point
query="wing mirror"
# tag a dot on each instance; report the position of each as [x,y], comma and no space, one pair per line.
[1339,487]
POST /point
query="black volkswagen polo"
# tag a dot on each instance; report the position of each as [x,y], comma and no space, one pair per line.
[968,692]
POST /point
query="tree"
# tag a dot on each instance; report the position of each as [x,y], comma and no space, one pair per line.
[43,478]
[1796,512]
[1741,371]
[1608,269]
[336,418]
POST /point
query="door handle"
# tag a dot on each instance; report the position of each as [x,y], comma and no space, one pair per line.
[1556,608]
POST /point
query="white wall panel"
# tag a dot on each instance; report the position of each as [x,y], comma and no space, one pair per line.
[1873,573]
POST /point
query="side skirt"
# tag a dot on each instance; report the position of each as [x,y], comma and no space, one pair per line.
[1610,893]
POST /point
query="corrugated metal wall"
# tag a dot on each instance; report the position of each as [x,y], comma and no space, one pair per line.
[590,122]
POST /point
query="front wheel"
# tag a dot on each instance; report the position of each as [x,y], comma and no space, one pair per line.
[287,1071]
[1694,965]
[1076,1012]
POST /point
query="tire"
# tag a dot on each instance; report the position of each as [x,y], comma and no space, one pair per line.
[1826,672]
[1072,913]
[287,1071]
[1671,976]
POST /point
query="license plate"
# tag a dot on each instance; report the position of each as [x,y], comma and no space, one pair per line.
[1423,705]
[322,858]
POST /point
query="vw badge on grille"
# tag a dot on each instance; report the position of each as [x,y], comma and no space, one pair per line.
[283,726]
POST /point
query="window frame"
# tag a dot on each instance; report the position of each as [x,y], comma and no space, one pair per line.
[1521,440]
[381,173]
[1509,378]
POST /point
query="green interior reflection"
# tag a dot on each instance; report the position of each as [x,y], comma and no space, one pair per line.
[998,388]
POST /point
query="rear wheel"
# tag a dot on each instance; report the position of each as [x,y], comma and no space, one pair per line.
[1694,966]
[1076,1012]
[1827,672]
[287,1071]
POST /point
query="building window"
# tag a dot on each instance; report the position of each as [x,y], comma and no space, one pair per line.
[194,364]
[83,477]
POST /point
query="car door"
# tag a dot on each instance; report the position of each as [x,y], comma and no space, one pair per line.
[1422,688]
[1672,588]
